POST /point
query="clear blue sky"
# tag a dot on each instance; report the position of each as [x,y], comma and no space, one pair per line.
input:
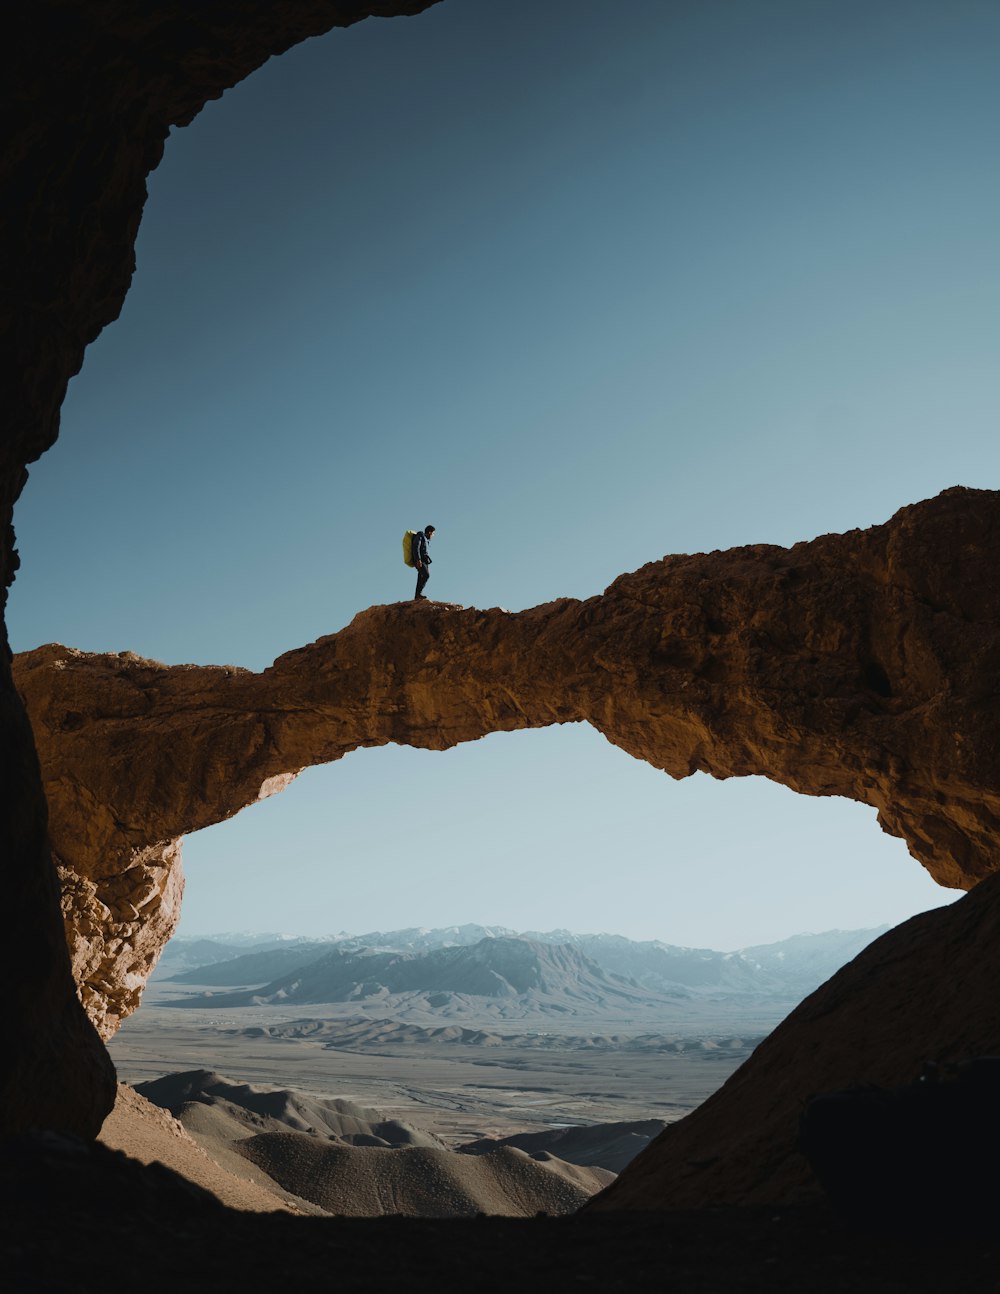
[581,282]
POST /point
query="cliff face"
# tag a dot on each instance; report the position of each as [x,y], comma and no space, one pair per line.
[926,991]
[89,91]
[861,665]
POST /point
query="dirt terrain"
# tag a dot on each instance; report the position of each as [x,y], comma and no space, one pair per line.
[457,1092]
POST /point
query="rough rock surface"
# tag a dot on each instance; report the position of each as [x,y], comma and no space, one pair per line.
[89,90]
[924,992]
[152,1136]
[178,1237]
[861,665]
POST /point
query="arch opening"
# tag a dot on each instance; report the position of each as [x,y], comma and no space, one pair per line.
[543,830]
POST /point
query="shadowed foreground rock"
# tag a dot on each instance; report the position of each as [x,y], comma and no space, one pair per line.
[54,1072]
[926,991]
[199,1245]
[88,94]
[861,665]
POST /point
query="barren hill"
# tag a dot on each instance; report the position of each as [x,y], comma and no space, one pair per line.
[420,1182]
[343,1158]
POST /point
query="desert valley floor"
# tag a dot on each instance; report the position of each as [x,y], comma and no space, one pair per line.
[457,1091]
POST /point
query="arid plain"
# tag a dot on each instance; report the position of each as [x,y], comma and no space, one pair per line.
[457,1091]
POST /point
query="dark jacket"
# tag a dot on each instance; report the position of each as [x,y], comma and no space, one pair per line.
[420,549]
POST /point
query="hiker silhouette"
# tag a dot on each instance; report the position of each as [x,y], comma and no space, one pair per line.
[421,558]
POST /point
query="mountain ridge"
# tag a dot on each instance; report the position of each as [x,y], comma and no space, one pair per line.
[513,973]
[788,968]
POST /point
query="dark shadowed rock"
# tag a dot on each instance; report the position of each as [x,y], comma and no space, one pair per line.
[155,1223]
[88,94]
[926,991]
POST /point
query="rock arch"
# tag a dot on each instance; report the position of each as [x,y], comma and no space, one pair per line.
[859,665]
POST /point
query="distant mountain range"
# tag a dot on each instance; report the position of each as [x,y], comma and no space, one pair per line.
[789,969]
[501,964]
[512,976]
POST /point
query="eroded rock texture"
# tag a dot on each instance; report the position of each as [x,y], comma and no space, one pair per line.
[861,665]
[89,90]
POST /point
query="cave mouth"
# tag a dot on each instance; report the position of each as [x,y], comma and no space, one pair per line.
[244,1032]
[132,516]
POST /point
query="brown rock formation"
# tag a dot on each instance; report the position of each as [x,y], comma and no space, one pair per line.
[861,665]
[88,93]
[926,991]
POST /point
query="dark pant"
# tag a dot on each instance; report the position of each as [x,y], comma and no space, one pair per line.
[423,575]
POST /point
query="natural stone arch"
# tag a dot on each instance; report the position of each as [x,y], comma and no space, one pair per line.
[858,665]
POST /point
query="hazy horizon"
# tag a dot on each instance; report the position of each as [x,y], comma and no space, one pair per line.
[239,936]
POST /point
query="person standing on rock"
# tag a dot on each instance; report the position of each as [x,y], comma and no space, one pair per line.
[420,558]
